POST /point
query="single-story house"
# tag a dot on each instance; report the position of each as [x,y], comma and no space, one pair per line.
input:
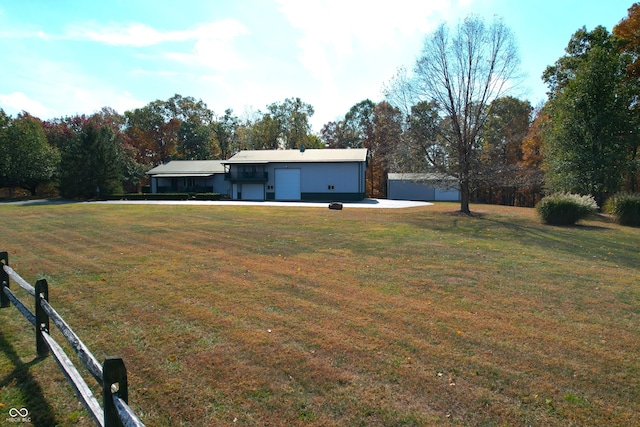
[189,176]
[304,174]
[422,186]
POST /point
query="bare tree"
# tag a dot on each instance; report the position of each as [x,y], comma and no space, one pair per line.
[463,71]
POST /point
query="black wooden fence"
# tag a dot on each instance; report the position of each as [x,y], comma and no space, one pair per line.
[111,375]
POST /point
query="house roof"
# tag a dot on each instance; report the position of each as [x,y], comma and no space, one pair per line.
[318,155]
[421,177]
[182,168]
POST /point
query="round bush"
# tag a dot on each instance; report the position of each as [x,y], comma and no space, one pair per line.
[625,207]
[565,208]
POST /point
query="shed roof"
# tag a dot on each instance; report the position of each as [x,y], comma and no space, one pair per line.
[180,168]
[317,155]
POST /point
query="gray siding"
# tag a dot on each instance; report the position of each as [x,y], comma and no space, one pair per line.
[419,190]
[409,190]
[322,180]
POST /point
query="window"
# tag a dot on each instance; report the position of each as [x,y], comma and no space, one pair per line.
[331,187]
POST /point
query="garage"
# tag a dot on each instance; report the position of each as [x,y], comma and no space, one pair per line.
[252,192]
[287,184]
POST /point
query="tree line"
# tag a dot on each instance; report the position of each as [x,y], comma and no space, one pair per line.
[450,114]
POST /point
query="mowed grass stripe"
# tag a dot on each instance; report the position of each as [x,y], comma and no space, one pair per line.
[376,317]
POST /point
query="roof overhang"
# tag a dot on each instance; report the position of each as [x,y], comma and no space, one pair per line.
[247,162]
[182,175]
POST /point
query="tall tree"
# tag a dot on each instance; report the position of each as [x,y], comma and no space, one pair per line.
[225,132]
[27,159]
[386,136]
[423,145]
[264,134]
[93,160]
[196,142]
[359,124]
[293,119]
[592,125]
[156,130]
[532,176]
[334,134]
[463,71]
[5,121]
[507,125]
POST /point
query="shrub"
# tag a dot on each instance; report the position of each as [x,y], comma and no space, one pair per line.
[625,207]
[565,208]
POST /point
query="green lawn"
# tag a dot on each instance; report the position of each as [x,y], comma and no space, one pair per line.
[308,316]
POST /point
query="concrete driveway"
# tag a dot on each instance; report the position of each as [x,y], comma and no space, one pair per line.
[367,203]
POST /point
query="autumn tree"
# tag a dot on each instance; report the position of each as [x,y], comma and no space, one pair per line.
[532,177]
[334,134]
[376,127]
[593,128]
[462,70]
[180,127]
[628,31]
[385,138]
[94,156]
[506,126]
[154,138]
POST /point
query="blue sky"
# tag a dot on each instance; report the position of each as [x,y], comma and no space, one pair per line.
[69,57]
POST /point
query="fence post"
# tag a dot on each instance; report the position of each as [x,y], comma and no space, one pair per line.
[42,319]
[114,380]
[4,280]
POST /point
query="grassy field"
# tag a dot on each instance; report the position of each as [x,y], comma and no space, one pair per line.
[254,316]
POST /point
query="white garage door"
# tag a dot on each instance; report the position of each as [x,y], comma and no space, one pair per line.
[287,184]
[252,192]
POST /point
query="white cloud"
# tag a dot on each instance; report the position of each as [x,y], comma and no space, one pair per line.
[213,47]
[333,29]
[17,102]
[115,34]
[212,42]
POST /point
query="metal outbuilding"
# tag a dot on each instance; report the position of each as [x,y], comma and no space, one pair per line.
[304,174]
[422,186]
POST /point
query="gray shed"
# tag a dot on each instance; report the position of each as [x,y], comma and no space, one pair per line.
[422,186]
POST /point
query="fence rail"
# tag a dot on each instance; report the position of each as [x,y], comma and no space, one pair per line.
[111,375]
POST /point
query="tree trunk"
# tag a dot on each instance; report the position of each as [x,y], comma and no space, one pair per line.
[464,167]
[464,196]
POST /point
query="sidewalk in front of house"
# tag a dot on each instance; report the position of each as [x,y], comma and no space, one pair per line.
[366,203]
